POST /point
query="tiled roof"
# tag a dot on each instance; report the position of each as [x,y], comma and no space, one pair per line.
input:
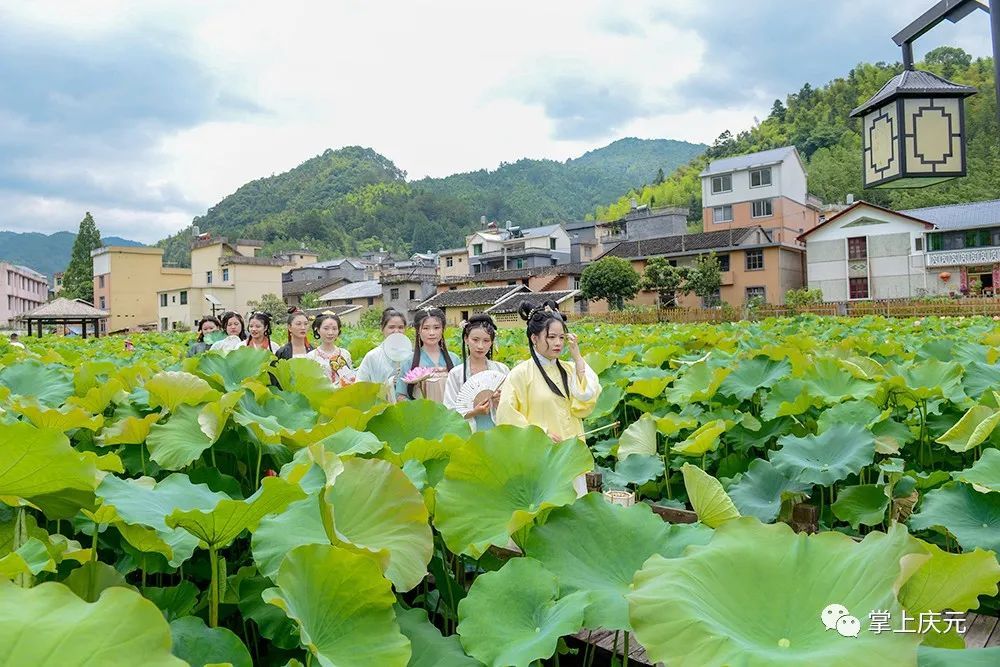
[536,232]
[738,162]
[342,309]
[59,308]
[475,296]
[574,268]
[300,287]
[452,251]
[913,82]
[675,245]
[226,260]
[360,290]
[959,216]
[334,263]
[512,303]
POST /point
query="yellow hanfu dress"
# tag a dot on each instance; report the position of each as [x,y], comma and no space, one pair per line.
[527,400]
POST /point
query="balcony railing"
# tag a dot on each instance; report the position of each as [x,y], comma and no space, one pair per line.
[960,257]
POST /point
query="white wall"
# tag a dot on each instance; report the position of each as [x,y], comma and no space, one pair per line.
[788,179]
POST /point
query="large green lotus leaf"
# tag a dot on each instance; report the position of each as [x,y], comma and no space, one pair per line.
[39,466]
[698,383]
[972,429]
[342,605]
[500,480]
[90,374]
[274,416]
[707,497]
[651,386]
[306,377]
[753,374]
[215,415]
[863,413]
[516,615]
[861,504]
[597,547]
[790,398]
[49,625]
[200,645]
[223,523]
[348,441]
[228,371]
[128,431]
[636,469]
[929,379]
[48,384]
[984,475]
[972,517]
[90,580]
[272,540]
[361,396]
[171,389]
[407,420]
[63,419]
[825,458]
[759,492]
[174,601]
[832,383]
[377,510]
[143,504]
[980,378]
[704,439]
[741,599]
[97,399]
[673,423]
[638,438]
[271,621]
[951,581]
[429,648]
[179,441]
[890,435]
[611,396]
[930,656]
[29,559]
[742,437]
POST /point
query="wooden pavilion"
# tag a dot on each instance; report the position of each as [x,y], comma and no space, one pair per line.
[66,312]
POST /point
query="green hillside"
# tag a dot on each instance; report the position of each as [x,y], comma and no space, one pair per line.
[816,121]
[45,253]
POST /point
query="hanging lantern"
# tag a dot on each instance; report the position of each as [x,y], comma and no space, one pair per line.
[944,276]
[913,131]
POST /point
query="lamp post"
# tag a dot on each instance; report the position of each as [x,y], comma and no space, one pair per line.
[913,129]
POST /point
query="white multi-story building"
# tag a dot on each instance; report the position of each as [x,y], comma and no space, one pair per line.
[21,289]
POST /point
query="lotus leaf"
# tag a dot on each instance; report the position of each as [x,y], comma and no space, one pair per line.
[200,645]
[214,416]
[929,379]
[826,458]
[64,419]
[832,383]
[704,439]
[789,398]
[929,656]
[862,504]
[500,480]
[707,497]
[951,581]
[652,385]
[980,378]
[174,601]
[408,420]
[429,648]
[48,384]
[342,605]
[275,416]
[179,441]
[760,491]
[740,599]
[29,559]
[596,547]
[972,517]
[306,377]
[972,429]
[128,431]
[984,475]
[754,374]
[97,399]
[516,614]
[228,371]
[349,441]
[638,438]
[611,396]
[863,413]
[270,620]
[698,383]
[636,469]
[672,423]
[171,389]
[91,579]
[48,624]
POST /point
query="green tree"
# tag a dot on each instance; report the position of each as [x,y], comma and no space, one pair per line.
[664,279]
[660,177]
[309,300]
[611,278]
[950,58]
[270,304]
[78,283]
[705,278]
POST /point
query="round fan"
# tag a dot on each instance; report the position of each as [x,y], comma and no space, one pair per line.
[397,347]
[477,389]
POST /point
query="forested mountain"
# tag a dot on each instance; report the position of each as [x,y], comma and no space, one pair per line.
[816,121]
[352,199]
[45,253]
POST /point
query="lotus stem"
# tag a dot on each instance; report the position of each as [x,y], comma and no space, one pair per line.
[625,658]
[260,455]
[142,458]
[213,591]
[614,647]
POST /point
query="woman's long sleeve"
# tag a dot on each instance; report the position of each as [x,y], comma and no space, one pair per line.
[452,387]
[513,402]
[583,395]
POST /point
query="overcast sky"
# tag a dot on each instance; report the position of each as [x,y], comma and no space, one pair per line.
[146,113]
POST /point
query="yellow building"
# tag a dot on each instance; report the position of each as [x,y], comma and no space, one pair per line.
[224,276]
[453,263]
[126,280]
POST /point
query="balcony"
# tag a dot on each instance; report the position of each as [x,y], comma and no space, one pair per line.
[963,246]
[962,257]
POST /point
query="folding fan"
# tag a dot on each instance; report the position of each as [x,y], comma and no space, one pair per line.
[477,389]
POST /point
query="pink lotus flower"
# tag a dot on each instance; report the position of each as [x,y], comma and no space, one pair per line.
[418,374]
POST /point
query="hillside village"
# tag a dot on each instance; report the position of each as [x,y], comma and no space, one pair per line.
[768,234]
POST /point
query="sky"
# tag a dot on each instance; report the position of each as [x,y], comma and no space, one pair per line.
[148,112]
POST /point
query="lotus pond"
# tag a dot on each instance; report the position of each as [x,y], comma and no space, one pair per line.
[224,509]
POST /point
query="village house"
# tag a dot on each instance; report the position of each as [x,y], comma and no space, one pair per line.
[126,280]
[21,290]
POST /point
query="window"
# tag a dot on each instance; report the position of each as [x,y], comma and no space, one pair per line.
[756,293]
[518,263]
[173,298]
[935,241]
[552,244]
[349,302]
[859,288]
[449,262]
[712,300]
[760,178]
[723,262]
[225,275]
[588,252]
[103,304]
[754,259]
[857,247]
[918,244]
[722,214]
[761,208]
[413,294]
[100,281]
[163,300]
[722,183]
[477,268]
[184,297]
[465,315]
[394,293]
[208,277]
[163,324]
[477,249]
[371,301]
